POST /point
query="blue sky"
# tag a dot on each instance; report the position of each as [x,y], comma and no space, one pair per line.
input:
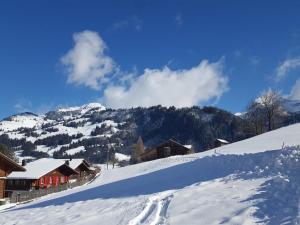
[128,53]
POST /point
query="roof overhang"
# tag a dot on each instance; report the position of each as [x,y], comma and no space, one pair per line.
[16,166]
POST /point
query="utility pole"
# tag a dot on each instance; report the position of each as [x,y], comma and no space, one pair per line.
[107,157]
[113,157]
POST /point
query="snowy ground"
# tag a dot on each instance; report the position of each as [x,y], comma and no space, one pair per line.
[223,186]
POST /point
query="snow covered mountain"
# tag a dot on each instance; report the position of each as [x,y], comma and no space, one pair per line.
[292,106]
[255,181]
[89,130]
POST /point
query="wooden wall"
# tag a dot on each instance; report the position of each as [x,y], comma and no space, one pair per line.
[149,155]
[170,146]
[2,188]
[3,174]
[175,149]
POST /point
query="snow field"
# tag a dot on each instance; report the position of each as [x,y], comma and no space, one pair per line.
[241,183]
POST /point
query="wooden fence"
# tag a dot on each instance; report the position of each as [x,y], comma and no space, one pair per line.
[22,196]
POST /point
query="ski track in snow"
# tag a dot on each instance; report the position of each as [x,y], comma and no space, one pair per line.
[155,211]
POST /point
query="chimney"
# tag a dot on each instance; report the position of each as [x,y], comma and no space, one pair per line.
[67,162]
[24,162]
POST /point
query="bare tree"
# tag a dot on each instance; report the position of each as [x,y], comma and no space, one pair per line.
[256,117]
[138,150]
[271,103]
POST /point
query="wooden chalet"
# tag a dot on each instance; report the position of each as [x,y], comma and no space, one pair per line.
[83,168]
[220,142]
[166,149]
[42,173]
[7,166]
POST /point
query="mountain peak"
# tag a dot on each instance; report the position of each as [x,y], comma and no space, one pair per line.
[84,108]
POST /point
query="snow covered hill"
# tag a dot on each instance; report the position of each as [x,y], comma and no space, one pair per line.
[254,181]
[291,105]
[89,130]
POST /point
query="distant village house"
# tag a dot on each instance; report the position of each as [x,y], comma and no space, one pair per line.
[82,167]
[40,174]
[7,166]
[220,142]
[166,149]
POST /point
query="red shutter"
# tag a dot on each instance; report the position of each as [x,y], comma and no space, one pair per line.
[46,181]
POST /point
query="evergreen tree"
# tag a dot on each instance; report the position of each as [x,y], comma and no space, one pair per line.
[138,150]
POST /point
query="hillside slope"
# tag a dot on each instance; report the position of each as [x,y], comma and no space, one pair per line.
[89,130]
[221,186]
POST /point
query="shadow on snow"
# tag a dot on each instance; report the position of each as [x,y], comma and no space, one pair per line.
[278,199]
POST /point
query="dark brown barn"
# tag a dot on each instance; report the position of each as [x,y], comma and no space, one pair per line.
[220,142]
[83,168]
[166,149]
[42,173]
[7,166]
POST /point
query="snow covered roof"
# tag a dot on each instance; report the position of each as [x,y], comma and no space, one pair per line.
[74,163]
[223,141]
[37,169]
[174,141]
[188,146]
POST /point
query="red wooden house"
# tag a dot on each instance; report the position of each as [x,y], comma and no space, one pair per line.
[42,173]
[7,166]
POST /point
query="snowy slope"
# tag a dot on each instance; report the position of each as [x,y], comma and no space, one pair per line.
[221,186]
[291,105]
[73,122]
[60,132]
[285,136]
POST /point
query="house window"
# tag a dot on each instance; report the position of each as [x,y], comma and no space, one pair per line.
[50,180]
[62,179]
[10,182]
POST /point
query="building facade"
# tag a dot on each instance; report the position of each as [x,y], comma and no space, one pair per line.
[40,174]
[166,149]
[7,166]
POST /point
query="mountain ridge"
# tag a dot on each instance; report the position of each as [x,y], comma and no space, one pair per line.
[98,129]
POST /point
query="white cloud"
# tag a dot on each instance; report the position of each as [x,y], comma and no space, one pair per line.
[179,20]
[254,60]
[132,22]
[86,64]
[167,87]
[295,92]
[237,54]
[286,66]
